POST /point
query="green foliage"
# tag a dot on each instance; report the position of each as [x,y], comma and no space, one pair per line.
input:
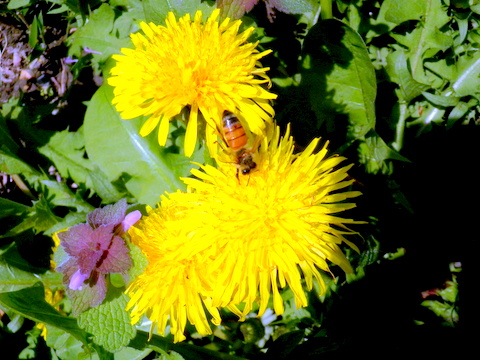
[109,324]
[149,170]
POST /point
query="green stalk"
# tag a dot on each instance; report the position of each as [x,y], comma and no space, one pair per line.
[326,9]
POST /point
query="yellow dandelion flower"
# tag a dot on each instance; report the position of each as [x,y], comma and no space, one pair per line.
[276,225]
[206,67]
[172,288]
[237,239]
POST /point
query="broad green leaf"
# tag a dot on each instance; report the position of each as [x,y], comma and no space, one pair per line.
[30,303]
[15,4]
[12,278]
[339,76]
[399,11]
[115,146]
[109,324]
[156,10]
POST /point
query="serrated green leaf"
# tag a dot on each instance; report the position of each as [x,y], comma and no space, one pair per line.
[150,167]
[109,324]
[444,310]
[397,69]
[426,36]
[340,78]
[40,218]
[67,151]
[97,36]
[374,153]
[57,193]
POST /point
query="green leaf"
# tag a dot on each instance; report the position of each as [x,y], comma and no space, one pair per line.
[12,278]
[296,6]
[11,208]
[339,76]
[33,34]
[171,356]
[398,71]
[374,153]
[149,167]
[285,344]
[399,11]
[30,303]
[66,346]
[156,10]
[440,100]
[97,35]
[67,151]
[132,354]
[40,218]
[109,324]
[468,81]
[15,4]
[426,35]
[57,193]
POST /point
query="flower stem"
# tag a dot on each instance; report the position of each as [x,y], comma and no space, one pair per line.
[326,9]
[400,131]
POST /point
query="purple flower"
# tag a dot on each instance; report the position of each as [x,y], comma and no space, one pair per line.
[95,250]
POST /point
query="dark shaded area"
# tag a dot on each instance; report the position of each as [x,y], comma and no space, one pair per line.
[376,316]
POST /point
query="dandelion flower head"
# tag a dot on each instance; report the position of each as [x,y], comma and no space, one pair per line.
[235,240]
[204,67]
[275,226]
[173,287]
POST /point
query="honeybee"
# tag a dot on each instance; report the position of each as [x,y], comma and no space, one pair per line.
[236,139]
